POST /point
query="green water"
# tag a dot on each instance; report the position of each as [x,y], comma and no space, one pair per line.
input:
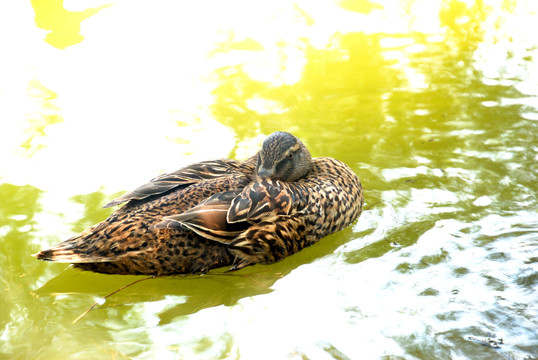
[434,104]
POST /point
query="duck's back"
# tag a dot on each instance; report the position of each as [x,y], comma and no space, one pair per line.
[336,195]
[327,200]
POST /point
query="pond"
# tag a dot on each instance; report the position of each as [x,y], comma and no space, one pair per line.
[433,104]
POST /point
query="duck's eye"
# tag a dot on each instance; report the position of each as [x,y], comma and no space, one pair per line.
[290,156]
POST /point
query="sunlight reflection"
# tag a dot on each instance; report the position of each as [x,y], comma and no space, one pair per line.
[248,147]
[500,59]
[415,95]
[106,92]
[62,25]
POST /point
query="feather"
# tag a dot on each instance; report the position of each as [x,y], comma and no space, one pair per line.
[260,200]
[70,256]
[179,179]
[208,219]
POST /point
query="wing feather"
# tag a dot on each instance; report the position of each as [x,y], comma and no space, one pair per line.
[181,178]
[225,216]
[261,199]
[208,219]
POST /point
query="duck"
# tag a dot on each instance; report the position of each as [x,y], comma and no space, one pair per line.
[220,213]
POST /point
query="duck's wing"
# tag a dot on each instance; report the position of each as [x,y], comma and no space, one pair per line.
[262,199]
[207,219]
[181,178]
[225,216]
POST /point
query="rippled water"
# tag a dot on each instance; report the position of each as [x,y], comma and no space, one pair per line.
[434,104]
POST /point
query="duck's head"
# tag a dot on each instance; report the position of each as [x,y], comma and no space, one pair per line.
[283,157]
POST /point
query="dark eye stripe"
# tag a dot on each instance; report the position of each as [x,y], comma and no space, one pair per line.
[291,151]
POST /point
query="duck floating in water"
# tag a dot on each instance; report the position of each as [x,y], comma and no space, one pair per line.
[221,213]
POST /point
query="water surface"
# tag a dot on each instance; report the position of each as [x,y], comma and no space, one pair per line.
[434,104]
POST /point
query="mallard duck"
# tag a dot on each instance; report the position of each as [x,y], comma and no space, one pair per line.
[221,213]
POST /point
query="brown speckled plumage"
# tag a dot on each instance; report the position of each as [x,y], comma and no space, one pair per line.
[221,213]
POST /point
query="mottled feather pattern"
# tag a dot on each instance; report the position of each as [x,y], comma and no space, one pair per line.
[285,217]
[128,243]
[270,152]
[261,199]
[221,213]
[184,177]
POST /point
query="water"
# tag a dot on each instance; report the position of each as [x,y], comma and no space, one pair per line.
[433,104]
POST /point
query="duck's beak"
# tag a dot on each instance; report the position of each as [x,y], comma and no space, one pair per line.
[266,173]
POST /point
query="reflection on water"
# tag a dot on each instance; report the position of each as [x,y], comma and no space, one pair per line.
[358,78]
[45,114]
[63,25]
[432,103]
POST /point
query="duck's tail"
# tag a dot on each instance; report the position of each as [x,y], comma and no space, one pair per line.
[74,250]
[68,256]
